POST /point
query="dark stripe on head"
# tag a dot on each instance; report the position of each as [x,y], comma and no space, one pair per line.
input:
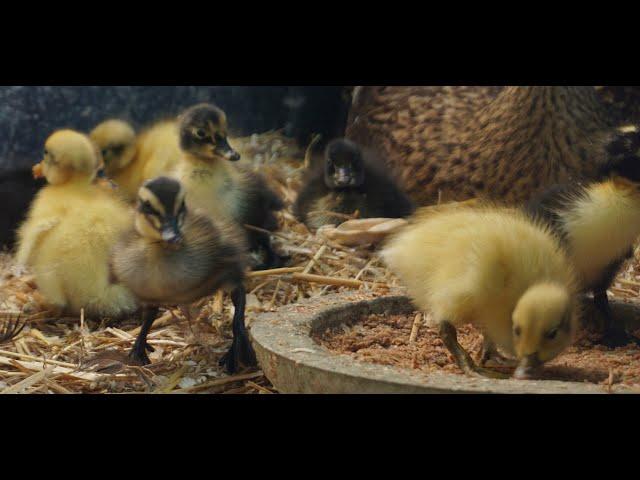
[167,190]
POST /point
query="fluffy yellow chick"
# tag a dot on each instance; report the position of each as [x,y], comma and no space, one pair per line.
[599,223]
[70,229]
[130,160]
[495,268]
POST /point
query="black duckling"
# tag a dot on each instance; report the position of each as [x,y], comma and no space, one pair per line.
[599,223]
[174,256]
[350,181]
[219,186]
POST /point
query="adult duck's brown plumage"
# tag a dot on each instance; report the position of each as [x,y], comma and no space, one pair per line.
[504,143]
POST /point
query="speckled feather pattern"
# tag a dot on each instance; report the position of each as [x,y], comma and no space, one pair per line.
[505,143]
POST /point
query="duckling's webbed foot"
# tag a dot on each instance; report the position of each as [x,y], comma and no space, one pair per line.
[241,351]
[449,336]
[490,353]
[138,354]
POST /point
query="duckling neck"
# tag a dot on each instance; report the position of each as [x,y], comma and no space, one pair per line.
[78,183]
[208,168]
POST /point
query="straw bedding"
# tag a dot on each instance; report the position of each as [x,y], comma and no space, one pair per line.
[75,355]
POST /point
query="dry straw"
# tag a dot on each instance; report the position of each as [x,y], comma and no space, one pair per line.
[77,355]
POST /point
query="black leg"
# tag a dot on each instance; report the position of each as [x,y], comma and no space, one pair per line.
[241,350]
[261,244]
[613,335]
[449,336]
[601,302]
[273,260]
[139,351]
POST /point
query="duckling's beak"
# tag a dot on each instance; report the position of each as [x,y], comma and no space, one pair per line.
[102,179]
[342,177]
[528,367]
[224,149]
[37,171]
[171,233]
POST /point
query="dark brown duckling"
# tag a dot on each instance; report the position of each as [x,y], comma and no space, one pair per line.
[350,180]
[219,186]
[599,223]
[172,256]
[502,143]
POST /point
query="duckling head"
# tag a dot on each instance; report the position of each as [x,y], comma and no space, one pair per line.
[203,134]
[68,155]
[344,165]
[623,151]
[161,210]
[116,141]
[544,321]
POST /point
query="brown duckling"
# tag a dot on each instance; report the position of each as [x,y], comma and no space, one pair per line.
[349,181]
[502,143]
[219,186]
[175,256]
[599,223]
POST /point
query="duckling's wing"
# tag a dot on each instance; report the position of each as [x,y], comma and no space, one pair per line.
[261,201]
[259,187]
[31,235]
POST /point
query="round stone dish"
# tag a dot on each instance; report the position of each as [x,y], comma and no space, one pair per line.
[295,363]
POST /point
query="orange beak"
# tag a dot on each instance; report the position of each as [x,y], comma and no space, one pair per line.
[37,171]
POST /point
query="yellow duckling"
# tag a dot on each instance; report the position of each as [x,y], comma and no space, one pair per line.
[172,256]
[599,223]
[494,268]
[70,229]
[220,187]
[130,160]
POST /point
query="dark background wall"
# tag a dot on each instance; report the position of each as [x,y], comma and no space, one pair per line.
[28,114]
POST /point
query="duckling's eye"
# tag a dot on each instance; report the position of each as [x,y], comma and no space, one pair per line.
[517,331]
[551,334]
[200,133]
[147,209]
[46,152]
